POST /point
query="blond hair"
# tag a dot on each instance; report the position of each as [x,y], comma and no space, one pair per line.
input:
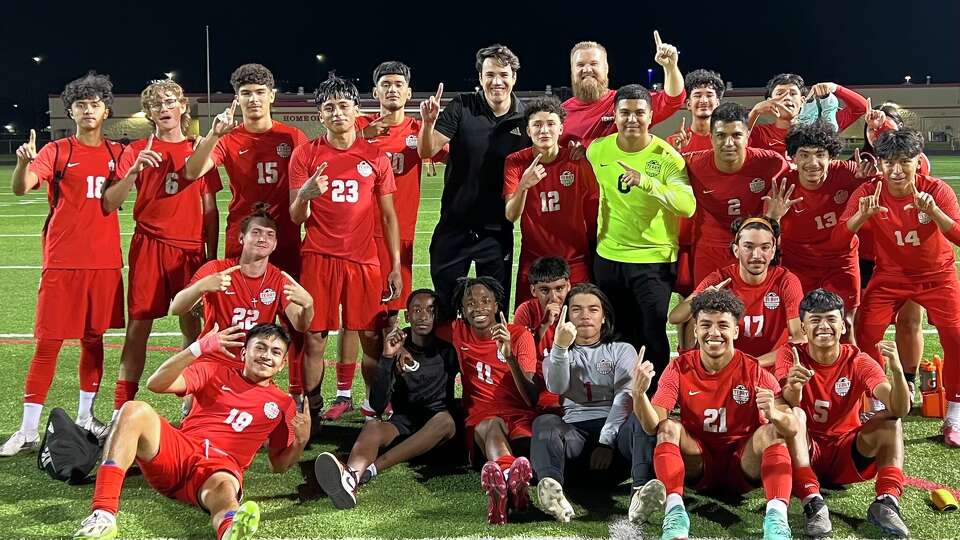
[153,95]
[584,45]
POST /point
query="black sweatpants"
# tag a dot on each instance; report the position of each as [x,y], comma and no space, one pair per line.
[453,249]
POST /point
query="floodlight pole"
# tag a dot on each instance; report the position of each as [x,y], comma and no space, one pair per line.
[207,27]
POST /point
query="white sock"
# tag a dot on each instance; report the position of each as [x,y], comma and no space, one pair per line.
[345,393]
[891,497]
[877,405]
[673,499]
[809,498]
[373,469]
[953,413]
[366,405]
[31,418]
[85,405]
[778,505]
[113,417]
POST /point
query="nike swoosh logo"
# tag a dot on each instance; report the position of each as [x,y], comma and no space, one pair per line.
[231,293]
[25,396]
[72,164]
[462,348]
[226,388]
[604,164]
[242,152]
[707,192]
[692,393]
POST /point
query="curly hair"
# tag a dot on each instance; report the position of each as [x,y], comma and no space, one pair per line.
[704,78]
[391,67]
[730,112]
[820,301]
[336,88]
[464,284]
[501,54]
[608,331]
[152,96]
[761,223]
[90,86]
[260,213]
[548,104]
[251,74]
[819,134]
[899,143]
[718,301]
[547,269]
[782,79]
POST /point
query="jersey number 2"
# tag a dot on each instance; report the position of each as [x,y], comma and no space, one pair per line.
[246,317]
[715,420]
[549,201]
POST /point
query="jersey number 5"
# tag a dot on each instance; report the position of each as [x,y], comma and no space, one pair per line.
[267,172]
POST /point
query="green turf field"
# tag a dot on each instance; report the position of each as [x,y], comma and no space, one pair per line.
[407,501]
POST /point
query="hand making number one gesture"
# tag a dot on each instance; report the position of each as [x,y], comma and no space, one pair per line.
[533,174]
[430,109]
[146,158]
[666,54]
[224,123]
[316,185]
[27,151]
[566,331]
[870,205]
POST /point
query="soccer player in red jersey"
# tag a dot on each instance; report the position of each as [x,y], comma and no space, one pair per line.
[732,424]
[786,93]
[202,462]
[81,253]
[561,217]
[913,221]
[247,290]
[729,182]
[590,110]
[770,293]
[337,183]
[704,89]
[177,226]
[497,365]
[826,380]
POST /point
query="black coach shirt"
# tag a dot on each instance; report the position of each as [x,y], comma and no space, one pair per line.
[479,144]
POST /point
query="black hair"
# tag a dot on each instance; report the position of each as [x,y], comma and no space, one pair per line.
[704,78]
[761,223]
[501,54]
[900,143]
[430,292]
[892,111]
[785,78]
[820,301]
[730,112]
[608,331]
[464,284]
[819,134]
[251,74]
[547,104]
[547,269]
[336,88]
[717,301]
[90,86]
[259,212]
[391,67]
[268,330]
[632,91]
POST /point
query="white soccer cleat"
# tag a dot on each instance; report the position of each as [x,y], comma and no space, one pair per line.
[98,428]
[552,500]
[646,500]
[19,442]
[100,525]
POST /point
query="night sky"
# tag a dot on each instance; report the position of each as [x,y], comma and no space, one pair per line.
[746,41]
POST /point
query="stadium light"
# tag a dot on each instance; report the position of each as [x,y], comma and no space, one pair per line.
[321,57]
[15,105]
[170,74]
[906,79]
[38,59]
[10,128]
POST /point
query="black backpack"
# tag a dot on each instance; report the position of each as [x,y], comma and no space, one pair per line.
[68,452]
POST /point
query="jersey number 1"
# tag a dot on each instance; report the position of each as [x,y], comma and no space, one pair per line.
[715,420]
[239,420]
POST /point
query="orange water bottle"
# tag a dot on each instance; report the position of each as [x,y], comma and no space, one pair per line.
[931,388]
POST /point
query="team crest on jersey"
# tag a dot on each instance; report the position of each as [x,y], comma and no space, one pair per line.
[411,141]
[284,150]
[267,296]
[740,394]
[841,196]
[652,168]
[842,387]
[757,185]
[923,218]
[605,367]
[771,300]
[500,356]
[567,178]
[271,410]
[364,169]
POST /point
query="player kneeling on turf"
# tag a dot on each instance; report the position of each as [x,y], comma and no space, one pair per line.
[202,463]
[827,380]
[730,436]
[593,374]
[416,373]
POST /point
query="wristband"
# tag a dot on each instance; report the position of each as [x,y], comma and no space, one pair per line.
[604,445]
[194,349]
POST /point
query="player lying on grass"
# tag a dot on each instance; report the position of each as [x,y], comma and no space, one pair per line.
[597,433]
[416,373]
[827,381]
[732,426]
[202,462]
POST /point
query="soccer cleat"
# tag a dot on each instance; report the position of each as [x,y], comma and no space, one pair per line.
[676,524]
[365,477]
[495,485]
[100,525]
[337,482]
[816,518]
[337,409]
[951,434]
[98,428]
[885,514]
[646,500]
[552,501]
[776,526]
[19,442]
[246,521]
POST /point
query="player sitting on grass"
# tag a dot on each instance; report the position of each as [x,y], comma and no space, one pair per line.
[416,373]
[730,436]
[827,381]
[597,433]
[202,462]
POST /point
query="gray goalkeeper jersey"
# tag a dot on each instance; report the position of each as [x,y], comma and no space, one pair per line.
[593,382]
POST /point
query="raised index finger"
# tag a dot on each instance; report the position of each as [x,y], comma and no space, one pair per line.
[231,270]
[869,105]
[439,93]
[796,356]
[724,283]
[536,159]
[289,277]
[563,315]
[33,137]
[641,354]
[876,193]
[149,142]
[625,166]
[656,38]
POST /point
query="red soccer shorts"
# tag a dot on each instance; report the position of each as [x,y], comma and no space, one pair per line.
[406,270]
[832,460]
[579,273]
[707,258]
[842,279]
[338,283]
[885,296]
[158,271]
[286,257]
[74,303]
[721,467]
[519,424]
[184,463]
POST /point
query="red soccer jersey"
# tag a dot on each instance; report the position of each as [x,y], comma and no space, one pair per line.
[249,300]
[258,164]
[696,143]
[79,235]
[234,415]
[724,197]
[342,220]
[768,137]
[529,314]
[560,214]
[831,398]
[589,121]
[906,242]
[767,306]
[806,229]
[716,409]
[866,240]
[487,381]
[168,208]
